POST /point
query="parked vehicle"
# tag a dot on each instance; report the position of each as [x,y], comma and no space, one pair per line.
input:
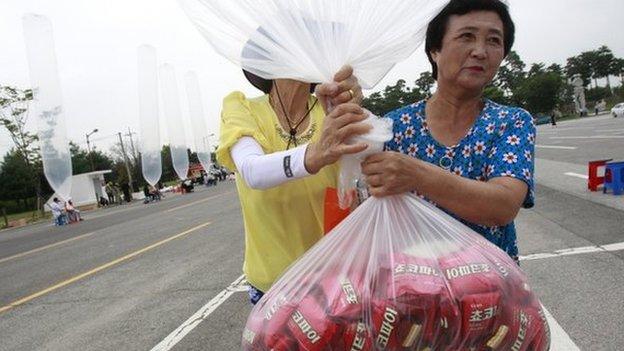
[618,110]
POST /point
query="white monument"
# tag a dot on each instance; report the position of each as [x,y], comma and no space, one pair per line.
[579,94]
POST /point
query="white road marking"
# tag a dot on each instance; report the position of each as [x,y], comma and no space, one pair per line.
[589,137]
[572,174]
[172,339]
[609,130]
[196,202]
[574,251]
[559,339]
[556,147]
[614,247]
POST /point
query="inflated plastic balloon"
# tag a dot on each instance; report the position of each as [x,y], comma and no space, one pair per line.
[309,40]
[196,110]
[48,103]
[175,124]
[151,162]
[399,274]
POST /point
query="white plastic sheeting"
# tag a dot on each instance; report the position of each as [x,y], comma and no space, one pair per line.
[151,162]
[198,121]
[309,40]
[175,124]
[48,103]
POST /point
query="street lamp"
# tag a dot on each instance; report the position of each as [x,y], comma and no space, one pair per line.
[89,148]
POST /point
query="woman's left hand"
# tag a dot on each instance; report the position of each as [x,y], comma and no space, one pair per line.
[390,173]
[345,88]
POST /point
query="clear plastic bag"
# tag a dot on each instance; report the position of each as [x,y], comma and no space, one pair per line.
[175,125]
[151,161]
[310,40]
[48,103]
[196,110]
[399,274]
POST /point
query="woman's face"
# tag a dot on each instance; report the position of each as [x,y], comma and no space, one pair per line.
[290,83]
[472,50]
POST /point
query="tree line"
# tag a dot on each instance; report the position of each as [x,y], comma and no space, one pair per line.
[538,88]
[23,186]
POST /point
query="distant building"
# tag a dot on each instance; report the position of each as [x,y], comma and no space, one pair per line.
[86,189]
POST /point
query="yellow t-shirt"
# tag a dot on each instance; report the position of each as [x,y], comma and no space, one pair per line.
[283,222]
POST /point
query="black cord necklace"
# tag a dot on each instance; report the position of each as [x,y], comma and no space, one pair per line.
[292,138]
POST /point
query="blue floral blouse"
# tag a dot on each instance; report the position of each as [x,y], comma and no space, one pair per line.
[499,144]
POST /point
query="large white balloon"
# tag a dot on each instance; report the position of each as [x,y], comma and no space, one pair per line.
[309,40]
[151,162]
[175,124]
[48,103]
[196,110]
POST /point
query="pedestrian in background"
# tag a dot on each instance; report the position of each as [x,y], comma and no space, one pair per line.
[109,192]
[125,188]
[73,214]
[553,119]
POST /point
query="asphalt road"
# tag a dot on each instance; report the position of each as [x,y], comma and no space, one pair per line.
[131,277]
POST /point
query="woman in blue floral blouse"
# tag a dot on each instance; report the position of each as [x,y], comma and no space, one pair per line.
[470,156]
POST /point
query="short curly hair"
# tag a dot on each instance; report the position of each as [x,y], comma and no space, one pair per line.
[438,25]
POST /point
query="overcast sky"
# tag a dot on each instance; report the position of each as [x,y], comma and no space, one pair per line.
[96,46]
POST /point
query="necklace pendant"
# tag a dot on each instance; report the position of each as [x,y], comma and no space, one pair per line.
[293,132]
[446,162]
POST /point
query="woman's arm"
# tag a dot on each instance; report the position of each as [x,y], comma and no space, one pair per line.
[495,202]
[263,171]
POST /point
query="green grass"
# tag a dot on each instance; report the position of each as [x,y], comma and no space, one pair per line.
[30,216]
[171,183]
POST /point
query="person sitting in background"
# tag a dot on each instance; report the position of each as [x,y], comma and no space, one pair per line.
[57,212]
[117,194]
[187,185]
[125,188]
[211,178]
[155,193]
[103,201]
[73,215]
[146,194]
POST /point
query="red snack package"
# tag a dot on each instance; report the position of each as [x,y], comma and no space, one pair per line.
[386,321]
[416,288]
[275,320]
[523,329]
[468,272]
[392,329]
[343,297]
[285,343]
[541,340]
[476,286]
[355,337]
[480,318]
[310,326]
[449,331]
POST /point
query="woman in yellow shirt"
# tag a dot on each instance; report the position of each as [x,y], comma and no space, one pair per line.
[283,148]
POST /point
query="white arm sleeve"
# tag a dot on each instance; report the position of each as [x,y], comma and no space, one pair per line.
[262,171]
